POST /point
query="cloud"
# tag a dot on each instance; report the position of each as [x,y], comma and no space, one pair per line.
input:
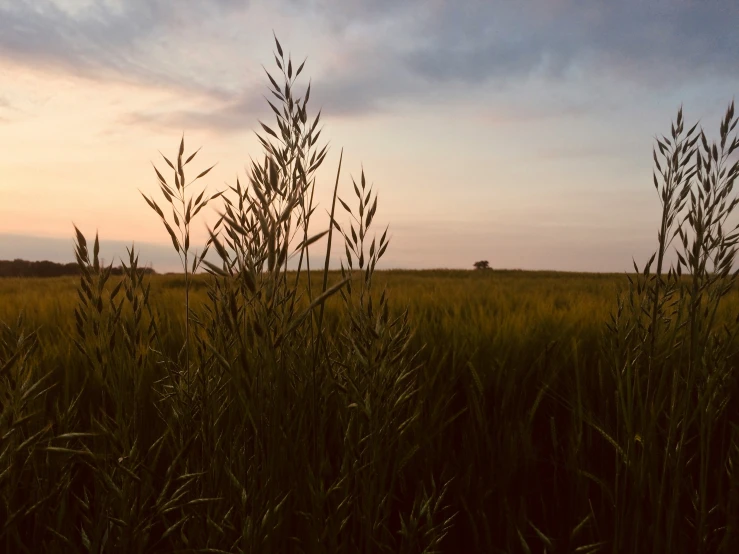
[647,42]
[398,53]
[377,55]
[224,116]
[103,39]
[357,91]
[7,108]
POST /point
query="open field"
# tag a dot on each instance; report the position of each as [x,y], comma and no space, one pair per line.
[487,314]
[503,317]
[514,362]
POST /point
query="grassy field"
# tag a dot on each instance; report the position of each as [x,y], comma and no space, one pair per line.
[256,409]
[486,315]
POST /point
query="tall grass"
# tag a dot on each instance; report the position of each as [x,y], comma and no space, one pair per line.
[298,411]
[674,430]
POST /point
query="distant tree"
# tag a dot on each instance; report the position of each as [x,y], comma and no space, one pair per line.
[484,264]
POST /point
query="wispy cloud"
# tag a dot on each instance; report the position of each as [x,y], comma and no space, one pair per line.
[103,40]
[348,96]
[380,54]
[226,116]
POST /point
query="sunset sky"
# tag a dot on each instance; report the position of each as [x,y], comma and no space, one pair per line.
[519,132]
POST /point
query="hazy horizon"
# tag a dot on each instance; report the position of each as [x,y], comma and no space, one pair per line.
[61,251]
[518,133]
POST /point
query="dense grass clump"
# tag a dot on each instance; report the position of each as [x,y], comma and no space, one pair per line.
[303,411]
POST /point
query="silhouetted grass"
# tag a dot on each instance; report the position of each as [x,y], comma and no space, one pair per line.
[303,411]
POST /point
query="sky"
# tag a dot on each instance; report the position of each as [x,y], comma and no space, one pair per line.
[518,132]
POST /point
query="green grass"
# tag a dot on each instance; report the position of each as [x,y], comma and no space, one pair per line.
[256,409]
[443,303]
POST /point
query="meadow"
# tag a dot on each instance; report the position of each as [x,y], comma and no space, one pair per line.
[257,408]
[478,315]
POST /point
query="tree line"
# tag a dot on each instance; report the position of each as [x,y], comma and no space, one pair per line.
[25,268]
